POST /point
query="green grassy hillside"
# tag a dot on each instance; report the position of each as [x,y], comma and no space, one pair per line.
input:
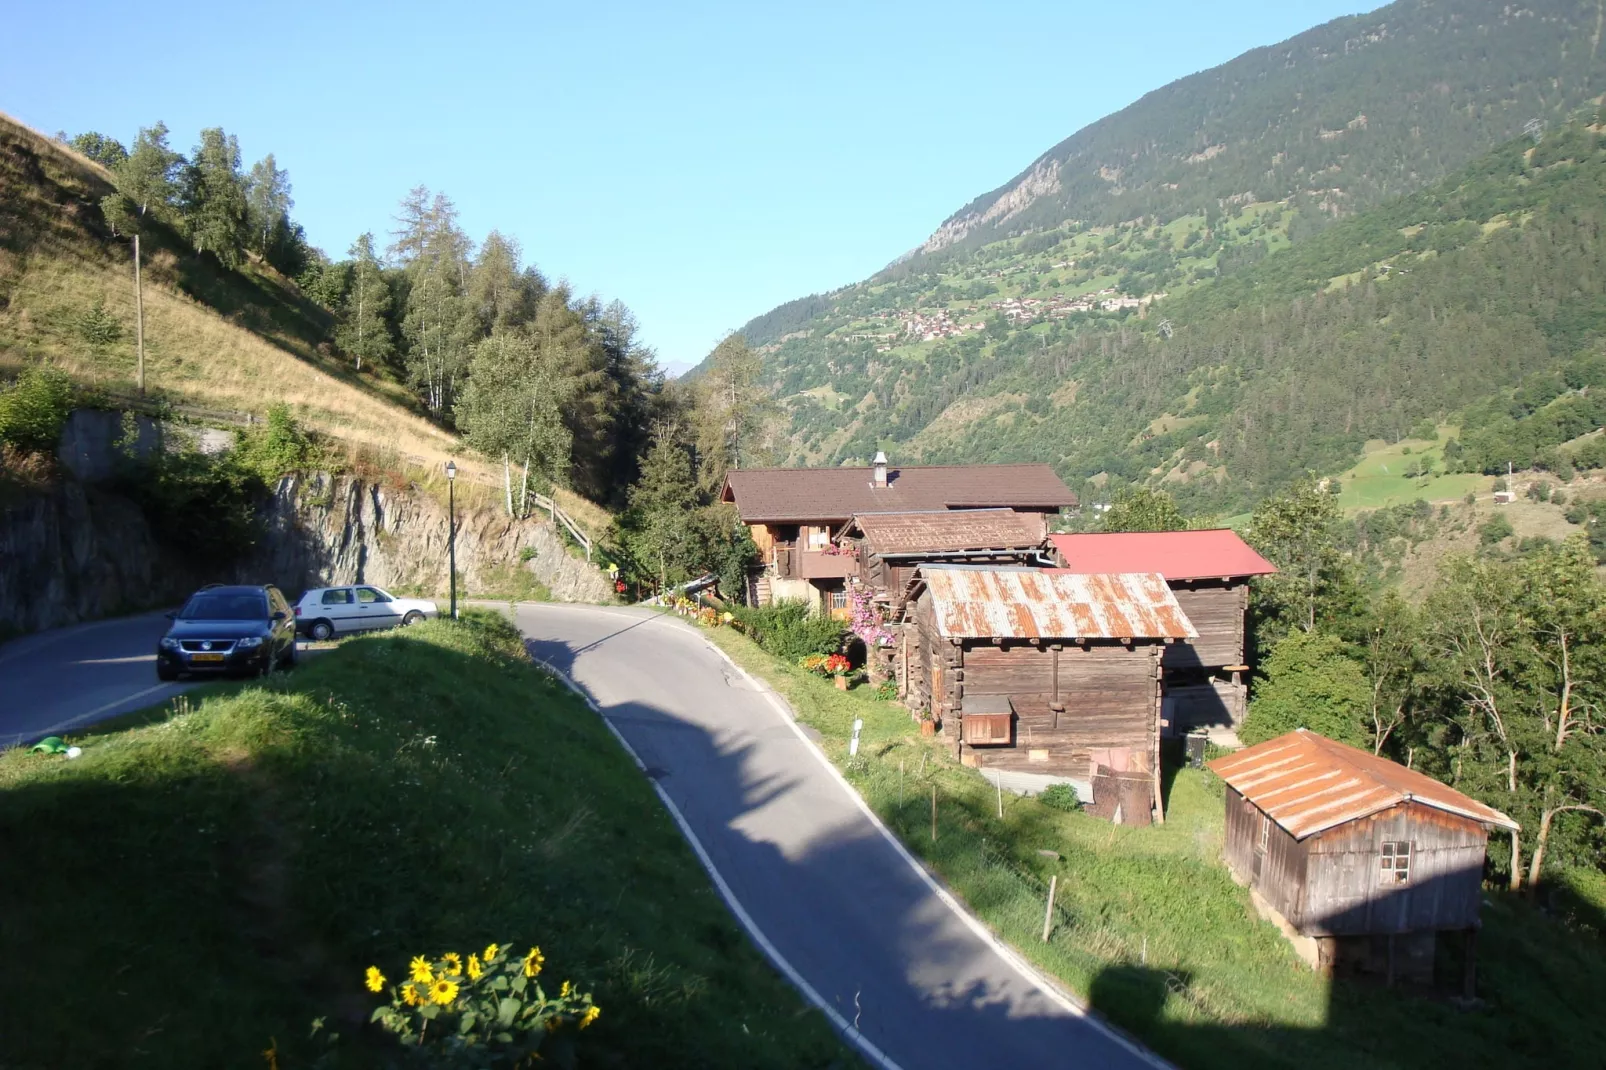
[209,878]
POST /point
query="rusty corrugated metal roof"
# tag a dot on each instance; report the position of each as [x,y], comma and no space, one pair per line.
[1307,783]
[948,530]
[973,602]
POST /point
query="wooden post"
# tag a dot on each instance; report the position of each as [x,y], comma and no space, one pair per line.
[1159,776]
[998,782]
[139,319]
[933,813]
[1048,912]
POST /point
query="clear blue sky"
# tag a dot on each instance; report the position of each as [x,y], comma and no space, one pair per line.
[702,162]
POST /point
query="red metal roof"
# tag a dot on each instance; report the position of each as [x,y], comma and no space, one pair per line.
[1177,555]
[801,495]
[973,602]
[1307,783]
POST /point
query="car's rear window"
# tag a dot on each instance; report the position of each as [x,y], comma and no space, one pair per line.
[210,605]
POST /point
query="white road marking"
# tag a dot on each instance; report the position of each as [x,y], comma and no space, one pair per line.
[1025,969]
[773,953]
[57,729]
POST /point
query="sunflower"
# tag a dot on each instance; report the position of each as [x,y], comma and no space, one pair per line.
[409,994]
[590,1015]
[564,992]
[420,970]
[374,979]
[443,991]
[474,967]
[533,961]
[454,964]
[490,953]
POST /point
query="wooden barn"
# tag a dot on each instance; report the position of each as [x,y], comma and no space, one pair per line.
[1209,572]
[1361,861]
[1038,677]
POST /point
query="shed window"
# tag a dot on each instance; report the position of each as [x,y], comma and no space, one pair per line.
[1394,866]
[1265,834]
[839,597]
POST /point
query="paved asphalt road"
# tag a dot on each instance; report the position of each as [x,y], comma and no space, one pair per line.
[840,906]
[56,681]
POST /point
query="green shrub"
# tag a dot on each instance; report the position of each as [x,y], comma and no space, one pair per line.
[97,326]
[34,410]
[1060,797]
[277,447]
[1310,682]
[789,631]
[1495,529]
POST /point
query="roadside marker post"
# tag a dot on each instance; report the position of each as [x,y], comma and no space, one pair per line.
[853,744]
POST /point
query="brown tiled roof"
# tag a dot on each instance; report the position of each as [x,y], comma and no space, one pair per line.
[949,529]
[977,602]
[1307,783]
[799,495]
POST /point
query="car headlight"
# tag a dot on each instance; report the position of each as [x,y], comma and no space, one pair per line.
[249,642]
[169,643]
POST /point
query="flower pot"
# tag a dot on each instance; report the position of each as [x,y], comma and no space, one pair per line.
[928,728]
[841,682]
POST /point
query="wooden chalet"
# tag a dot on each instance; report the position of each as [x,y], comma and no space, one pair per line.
[793,514]
[1209,572]
[1040,677]
[1360,861]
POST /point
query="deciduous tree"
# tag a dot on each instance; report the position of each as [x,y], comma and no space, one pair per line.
[364,329]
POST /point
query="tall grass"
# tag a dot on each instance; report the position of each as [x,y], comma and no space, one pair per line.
[1150,929]
[210,877]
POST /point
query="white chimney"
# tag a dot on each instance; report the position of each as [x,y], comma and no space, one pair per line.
[880,468]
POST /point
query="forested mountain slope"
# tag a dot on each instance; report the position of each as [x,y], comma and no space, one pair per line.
[1435,305]
[1030,301]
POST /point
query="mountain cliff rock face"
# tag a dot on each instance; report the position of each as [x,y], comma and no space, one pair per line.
[78,552]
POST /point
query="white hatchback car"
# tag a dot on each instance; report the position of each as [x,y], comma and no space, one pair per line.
[325,612]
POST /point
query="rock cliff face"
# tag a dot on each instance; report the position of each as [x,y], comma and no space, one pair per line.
[323,530]
[78,552]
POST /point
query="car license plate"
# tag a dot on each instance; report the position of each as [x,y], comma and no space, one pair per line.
[206,657]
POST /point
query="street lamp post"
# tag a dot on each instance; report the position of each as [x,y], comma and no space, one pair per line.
[451,537]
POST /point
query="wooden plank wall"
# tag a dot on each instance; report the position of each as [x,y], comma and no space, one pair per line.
[1217,613]
[1347,895]
[1281,881]
[1109,692]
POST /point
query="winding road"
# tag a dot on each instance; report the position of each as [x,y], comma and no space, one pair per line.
[829,895]
[57,681]
[823,888]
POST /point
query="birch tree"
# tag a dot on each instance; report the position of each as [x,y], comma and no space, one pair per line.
[364,330]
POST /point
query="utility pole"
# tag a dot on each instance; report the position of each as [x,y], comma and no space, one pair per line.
[451,537]
[139,318]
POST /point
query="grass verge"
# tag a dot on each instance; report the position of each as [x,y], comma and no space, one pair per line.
[1152,932]
[206,880]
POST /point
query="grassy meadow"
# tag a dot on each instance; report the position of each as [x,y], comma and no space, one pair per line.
[210,877]
[1152,932]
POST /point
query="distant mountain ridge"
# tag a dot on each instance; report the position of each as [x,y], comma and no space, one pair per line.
[1349,113]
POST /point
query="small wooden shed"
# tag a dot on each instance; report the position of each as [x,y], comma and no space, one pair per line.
[890,546]
[1043,677]
[1209,572]
[1360,860]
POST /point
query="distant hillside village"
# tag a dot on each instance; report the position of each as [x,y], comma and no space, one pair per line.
[929,325]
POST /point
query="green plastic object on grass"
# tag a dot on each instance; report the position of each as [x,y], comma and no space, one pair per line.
[50,745]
